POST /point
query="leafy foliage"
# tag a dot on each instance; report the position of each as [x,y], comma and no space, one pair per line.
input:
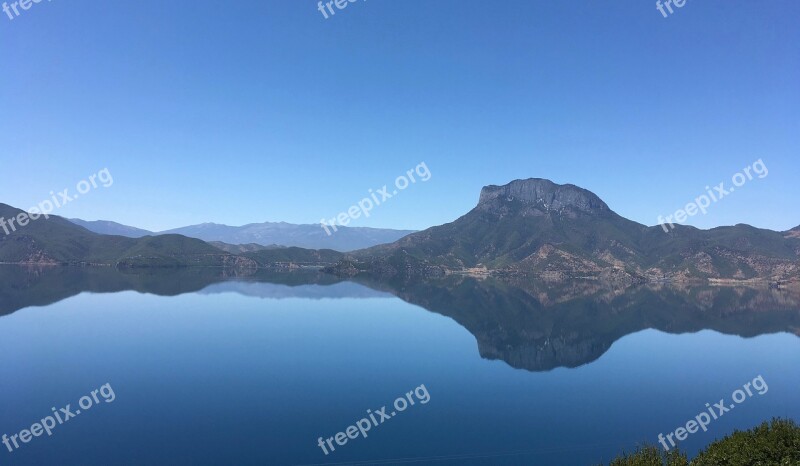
[770,444]
[776,443]
[652,456]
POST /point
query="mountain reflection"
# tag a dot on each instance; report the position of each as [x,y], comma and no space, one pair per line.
[540,326]
[536,326]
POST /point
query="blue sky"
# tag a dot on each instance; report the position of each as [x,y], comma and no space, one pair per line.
[240,112]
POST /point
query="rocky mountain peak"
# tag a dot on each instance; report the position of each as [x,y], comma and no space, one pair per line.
[544,194]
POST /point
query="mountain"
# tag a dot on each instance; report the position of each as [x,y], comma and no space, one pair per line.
[105,227]
[267,234]
[55,240]
[530,227]
[537,227]
[287,234]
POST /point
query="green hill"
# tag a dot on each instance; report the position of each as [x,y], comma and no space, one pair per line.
[55,240]
[538,227]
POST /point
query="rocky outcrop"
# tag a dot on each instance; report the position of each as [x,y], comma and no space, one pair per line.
[543,194]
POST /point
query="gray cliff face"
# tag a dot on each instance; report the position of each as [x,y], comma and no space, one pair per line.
[544,194]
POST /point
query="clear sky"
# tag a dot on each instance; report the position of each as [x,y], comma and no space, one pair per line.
[251,111]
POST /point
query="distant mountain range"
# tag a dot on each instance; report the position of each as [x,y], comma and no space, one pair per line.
[537,227]
[56,240]
[527,228]
[105,227]
[263,234]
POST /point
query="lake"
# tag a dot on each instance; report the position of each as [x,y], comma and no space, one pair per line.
[207,366]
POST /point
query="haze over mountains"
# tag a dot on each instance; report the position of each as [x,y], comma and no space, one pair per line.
[264,234]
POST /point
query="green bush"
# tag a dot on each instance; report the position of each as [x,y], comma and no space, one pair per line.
[770,444]
[775,444]
[652,456]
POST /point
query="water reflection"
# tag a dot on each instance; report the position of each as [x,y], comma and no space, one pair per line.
[535,326]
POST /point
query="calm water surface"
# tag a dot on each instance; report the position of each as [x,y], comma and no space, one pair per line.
[209,369]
